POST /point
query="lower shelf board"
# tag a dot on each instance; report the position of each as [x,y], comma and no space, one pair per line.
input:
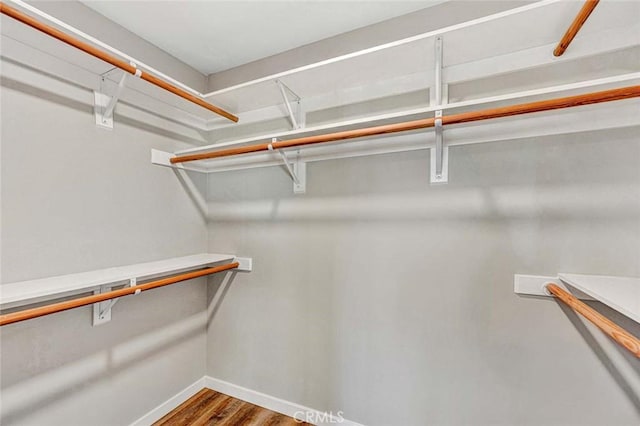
[209,407]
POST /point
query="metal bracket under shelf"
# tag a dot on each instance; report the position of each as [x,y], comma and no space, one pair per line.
[102,310]
[439,155]
[104,105]
[296,169]
[298,117]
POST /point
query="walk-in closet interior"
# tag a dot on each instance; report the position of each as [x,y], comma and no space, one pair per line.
[315,212]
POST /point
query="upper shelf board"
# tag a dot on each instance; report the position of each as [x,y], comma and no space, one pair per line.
[518,29]
[34,291]
[619,293]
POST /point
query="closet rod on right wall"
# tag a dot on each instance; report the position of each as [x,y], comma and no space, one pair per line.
[575,26]
[613,330]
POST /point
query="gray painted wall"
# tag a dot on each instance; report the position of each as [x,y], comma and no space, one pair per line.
[76,198]
[392,300]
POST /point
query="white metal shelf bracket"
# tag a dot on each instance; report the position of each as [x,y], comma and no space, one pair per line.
[440,154]
[297,169]
[102,310]
[439,166]
[297,119]
[104,105]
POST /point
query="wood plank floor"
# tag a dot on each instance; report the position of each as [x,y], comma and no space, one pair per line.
[209,407]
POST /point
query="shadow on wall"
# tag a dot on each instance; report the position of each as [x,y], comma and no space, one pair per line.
[86,108]
[194,192]
[568,202]
[217,289]
[617,370]
[583,176]
[20,400]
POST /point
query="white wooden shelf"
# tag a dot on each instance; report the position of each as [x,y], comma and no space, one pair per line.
[539,24]
[619,293]
[474,51]
[27,292]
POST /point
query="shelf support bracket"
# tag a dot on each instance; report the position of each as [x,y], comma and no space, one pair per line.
[102,310]
[108,112]
[440,153]
[297,169]
[105,105]
[297,119]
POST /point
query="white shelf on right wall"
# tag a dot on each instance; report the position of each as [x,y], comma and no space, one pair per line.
[619,293]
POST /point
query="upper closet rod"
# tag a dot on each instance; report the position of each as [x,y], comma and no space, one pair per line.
[617,333]
[73,30]
[465,117]
[90,300]
[575,26]
[128,67]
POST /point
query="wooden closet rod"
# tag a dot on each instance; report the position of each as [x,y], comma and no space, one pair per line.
[126,291]
[123,65]
[617,333]
[465,117]
[575,26]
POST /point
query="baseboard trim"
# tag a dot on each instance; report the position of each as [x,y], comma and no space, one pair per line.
[278,405]
[170,404]
[269,402]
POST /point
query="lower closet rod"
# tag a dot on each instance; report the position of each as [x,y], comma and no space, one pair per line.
[90,300]
[463,117]
[617,333]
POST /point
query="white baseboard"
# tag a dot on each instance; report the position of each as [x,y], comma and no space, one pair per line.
[269,402]
[173,402]
[278,405]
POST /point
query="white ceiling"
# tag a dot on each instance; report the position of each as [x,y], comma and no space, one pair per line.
[215,35]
